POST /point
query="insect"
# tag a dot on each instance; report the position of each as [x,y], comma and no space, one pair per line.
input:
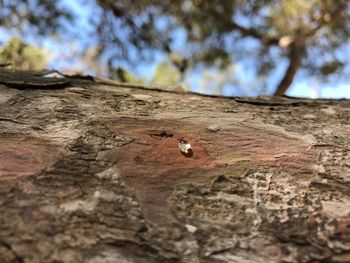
[185,146]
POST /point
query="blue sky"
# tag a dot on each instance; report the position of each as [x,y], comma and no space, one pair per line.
[65,49]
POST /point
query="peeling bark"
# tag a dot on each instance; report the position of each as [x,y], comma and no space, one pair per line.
[92,172]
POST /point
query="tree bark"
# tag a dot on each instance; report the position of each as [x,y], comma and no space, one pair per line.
[92,172]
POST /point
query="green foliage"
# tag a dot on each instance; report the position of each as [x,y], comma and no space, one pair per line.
[22,56]
[124,75]
[166,74]
[331,67]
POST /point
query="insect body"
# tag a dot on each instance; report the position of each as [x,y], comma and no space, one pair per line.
[184,146]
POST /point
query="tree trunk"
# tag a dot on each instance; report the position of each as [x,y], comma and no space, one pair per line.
[92,172]
[295,55]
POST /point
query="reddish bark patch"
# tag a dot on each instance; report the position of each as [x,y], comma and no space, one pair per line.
[22,157]
[264,147]
[153,165]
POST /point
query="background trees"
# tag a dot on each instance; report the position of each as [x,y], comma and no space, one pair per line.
[271,40]
[23,56]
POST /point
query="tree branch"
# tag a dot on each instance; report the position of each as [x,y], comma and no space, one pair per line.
[323,21]
[245,31]
[252,32]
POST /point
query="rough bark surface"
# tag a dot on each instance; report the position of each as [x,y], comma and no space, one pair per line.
[92,173]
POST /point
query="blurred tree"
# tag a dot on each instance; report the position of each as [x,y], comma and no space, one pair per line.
[305,33]
[166,73]
[19,55]
[215,81]
[45,16]
[124,75]
[265,35]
